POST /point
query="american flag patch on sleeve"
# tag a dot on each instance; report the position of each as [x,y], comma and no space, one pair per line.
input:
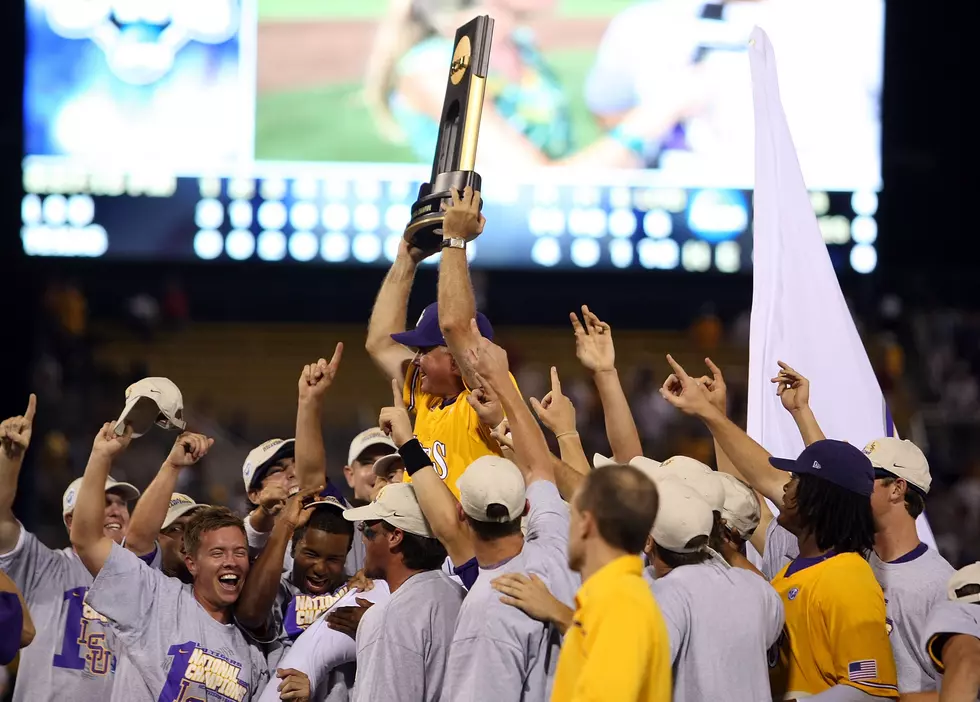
[862,670]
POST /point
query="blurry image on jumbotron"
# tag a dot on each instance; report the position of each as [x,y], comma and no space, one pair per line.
[614,132]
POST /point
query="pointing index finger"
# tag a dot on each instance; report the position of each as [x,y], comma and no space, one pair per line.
[715,370]
[396,394]
[31,408]
[678,368]
[555,382]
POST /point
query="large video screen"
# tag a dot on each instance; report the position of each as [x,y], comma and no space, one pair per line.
[615,133]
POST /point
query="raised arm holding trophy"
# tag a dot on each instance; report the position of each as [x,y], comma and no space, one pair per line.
[459,130]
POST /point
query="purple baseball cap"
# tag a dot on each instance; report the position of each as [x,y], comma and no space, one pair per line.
[427,332]
[834,461]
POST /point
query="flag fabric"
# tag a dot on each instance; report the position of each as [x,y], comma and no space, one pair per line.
[862,670]
[799,314]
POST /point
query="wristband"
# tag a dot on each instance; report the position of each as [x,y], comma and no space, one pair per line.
[566,433]
[414,456]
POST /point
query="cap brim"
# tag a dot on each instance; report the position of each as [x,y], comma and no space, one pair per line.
[179,512]
[600,461]
[287,447]
[367,513]
[417,340]
[382,466]
[789,465]
[327,502]
[129,491]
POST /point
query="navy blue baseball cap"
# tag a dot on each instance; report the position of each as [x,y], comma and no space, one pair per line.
[834,461]
[427,332]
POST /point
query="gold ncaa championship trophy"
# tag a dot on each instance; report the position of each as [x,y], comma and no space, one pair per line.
[459,129]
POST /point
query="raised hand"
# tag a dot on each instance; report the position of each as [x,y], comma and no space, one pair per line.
[295,512]
[715,387]
[684,392]
[501,434]
[555,411]
[295,685]
[394,421]
[593,342]
[486,404]
[486,358]
[272,498]
[110,444]
[15,432]
[792,388]
[317,377]
[462,217]
[189,448]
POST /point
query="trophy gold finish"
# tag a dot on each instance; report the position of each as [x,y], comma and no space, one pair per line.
[459,129]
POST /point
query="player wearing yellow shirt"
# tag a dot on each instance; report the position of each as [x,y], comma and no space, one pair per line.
[432,358]
[835,634]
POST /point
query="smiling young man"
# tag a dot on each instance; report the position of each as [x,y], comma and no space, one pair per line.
[431,359]
[179,641]
[71,657]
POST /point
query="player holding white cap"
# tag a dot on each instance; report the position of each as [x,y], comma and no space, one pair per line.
[70,658]
[952,637]
[912,575]
[721,621]
[152,401]
[402,646]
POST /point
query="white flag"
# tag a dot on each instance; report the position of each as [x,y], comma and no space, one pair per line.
[799,314]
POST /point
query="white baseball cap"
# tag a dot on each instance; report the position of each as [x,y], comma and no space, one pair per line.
[967,575]
[903,459]
[261,457]
[397,505]
[386,464]
[68,500]
[366,439]
[492,480]
[641,462]
[682,515]
[153,401]
[696,476]
[180,504]
[741,510]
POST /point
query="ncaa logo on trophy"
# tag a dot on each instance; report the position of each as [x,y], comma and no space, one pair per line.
[459,130]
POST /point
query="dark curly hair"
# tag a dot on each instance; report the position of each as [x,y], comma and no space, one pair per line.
[838,518]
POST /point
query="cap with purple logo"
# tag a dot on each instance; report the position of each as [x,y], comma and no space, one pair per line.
[834,461]
[427,332]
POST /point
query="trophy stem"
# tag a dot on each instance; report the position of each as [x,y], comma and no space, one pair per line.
[471,125]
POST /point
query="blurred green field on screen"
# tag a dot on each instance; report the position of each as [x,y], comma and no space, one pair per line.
[297,10]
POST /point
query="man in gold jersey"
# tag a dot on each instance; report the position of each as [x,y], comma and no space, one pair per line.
[431,359]
[835,645]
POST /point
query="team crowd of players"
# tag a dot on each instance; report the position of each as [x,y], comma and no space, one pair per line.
[471,563]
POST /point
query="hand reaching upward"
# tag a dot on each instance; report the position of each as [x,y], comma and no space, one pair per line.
[684,392]
[555,411]
[15,432]
[593,342]
[188,449]
[108,443]
[463,218]
[394,420]
[317,377]
[792,388]
[715,387]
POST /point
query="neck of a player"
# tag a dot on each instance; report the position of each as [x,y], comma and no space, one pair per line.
[493,553]
[220,613]
[896,534]
[396,574]
[598,554]
[808,546]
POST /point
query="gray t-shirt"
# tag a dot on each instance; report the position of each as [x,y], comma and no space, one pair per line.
[949,618]
[173,648]
[402,646]
[498,652]
[721,623]
[56,666]
[781,548]
[355,557]
[913,585]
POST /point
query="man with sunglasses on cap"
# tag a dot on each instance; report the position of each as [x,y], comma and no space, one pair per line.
[403,645]
[431,359]
[721,621]
[71,657]
[952,637]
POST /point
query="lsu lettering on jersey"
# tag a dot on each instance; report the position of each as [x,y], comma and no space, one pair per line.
[449,430]
[835,630]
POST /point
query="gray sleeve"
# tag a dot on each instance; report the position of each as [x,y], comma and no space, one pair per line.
[548,519]
[673,607]
[29,562]
[400,677]
[481,663]
[843,693]
[126,592]
[949,618]
[781,547]
[775,616]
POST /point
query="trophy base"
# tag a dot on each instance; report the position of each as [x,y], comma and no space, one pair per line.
[424,230]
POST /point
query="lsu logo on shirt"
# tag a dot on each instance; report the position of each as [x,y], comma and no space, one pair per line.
[197,673]
[303,610]
[84,646]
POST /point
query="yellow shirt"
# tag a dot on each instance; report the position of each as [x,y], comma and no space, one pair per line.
[835,630]
[449,431]
[617,647]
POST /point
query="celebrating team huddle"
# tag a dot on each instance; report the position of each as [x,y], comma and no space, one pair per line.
[468,562]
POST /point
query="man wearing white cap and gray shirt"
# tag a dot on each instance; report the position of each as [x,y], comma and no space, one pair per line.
[402,646]
[498,651]
[269,474]
[54,584]
[721,621]
[367,448]
[741,511]
[952,637]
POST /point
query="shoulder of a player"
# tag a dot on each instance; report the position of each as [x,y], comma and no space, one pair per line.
[849,576]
